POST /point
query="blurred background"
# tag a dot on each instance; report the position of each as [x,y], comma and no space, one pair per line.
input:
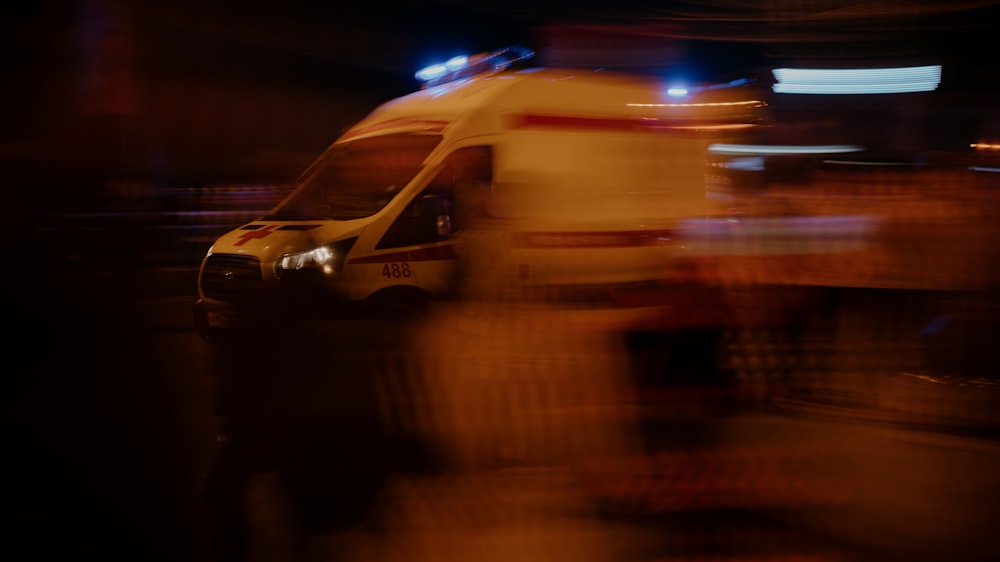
[135,134]
[208,92]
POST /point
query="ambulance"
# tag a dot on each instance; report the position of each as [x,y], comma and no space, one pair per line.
[494,171]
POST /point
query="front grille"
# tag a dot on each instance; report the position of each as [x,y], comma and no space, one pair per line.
[230,277]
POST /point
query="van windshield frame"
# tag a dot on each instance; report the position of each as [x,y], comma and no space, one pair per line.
[356,179]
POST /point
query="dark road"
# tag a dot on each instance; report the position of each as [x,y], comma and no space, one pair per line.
[768,480]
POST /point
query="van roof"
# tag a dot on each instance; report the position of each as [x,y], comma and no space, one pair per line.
[558,93]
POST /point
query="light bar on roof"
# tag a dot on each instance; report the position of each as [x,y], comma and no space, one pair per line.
[464,66]
[857,80]
[435,71]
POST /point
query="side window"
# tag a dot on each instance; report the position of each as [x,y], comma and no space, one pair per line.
[444,207]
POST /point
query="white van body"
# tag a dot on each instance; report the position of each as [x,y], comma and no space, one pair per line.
[579,177]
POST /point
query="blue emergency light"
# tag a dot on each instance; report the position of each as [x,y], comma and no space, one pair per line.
[436,71]
[459,67]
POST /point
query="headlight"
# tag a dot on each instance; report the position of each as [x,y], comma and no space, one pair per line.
[322,258]
[327,259]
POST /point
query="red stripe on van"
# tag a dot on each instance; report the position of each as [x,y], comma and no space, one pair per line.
[538,121]
[609,239]
[447,252]
[426,125]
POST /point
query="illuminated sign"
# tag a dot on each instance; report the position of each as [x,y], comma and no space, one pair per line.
[762,149]
[857,80]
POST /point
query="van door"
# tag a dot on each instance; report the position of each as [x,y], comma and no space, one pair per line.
[427,231]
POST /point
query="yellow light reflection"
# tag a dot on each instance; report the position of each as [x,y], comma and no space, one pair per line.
[985,146]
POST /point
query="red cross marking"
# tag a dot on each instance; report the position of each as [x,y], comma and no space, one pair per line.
[255,234]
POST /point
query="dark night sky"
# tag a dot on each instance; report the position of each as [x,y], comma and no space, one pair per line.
[210,84]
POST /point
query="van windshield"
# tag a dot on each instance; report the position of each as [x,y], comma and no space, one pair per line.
[356,179]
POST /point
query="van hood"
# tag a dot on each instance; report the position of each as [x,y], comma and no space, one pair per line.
[269,240]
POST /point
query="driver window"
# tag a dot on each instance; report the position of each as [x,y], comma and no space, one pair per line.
[442,209]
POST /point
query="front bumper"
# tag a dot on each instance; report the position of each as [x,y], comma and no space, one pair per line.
[219,322]
[216,322]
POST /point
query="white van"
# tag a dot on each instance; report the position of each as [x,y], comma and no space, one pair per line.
[586,171]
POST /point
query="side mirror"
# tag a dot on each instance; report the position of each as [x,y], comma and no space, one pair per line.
[443,223]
